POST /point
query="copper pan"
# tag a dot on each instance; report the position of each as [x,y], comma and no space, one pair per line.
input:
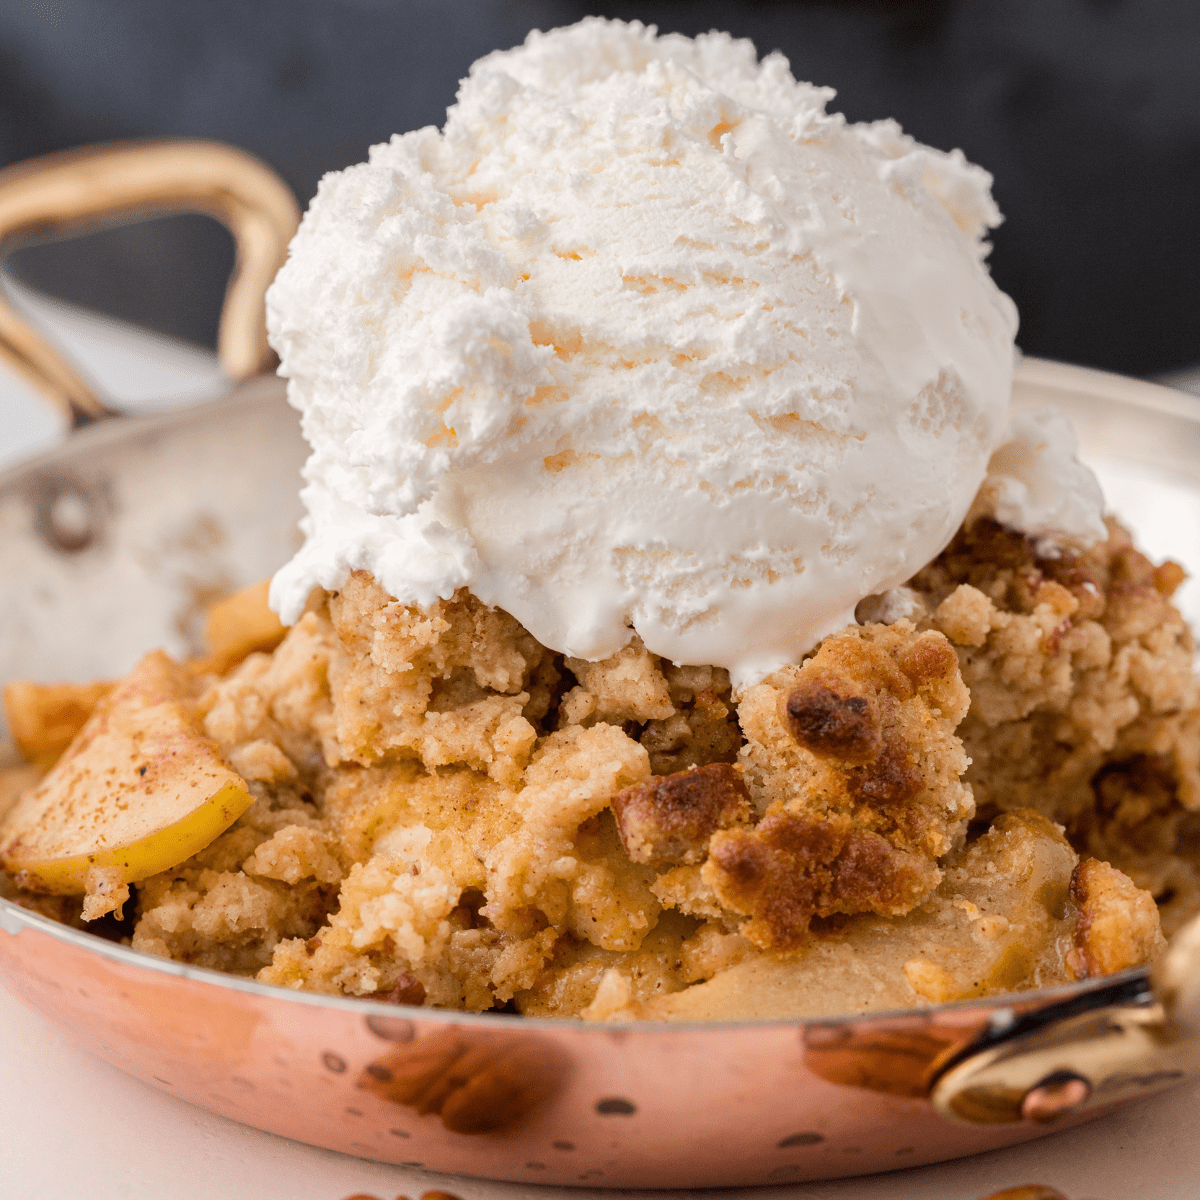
[110,545]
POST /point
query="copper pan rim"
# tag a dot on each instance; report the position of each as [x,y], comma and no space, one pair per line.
[13,917]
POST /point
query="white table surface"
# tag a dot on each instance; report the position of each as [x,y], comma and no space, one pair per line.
[73,1126]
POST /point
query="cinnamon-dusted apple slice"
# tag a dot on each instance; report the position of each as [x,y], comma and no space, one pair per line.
[138,791]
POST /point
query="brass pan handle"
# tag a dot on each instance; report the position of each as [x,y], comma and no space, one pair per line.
[126,181]
[1133,1036]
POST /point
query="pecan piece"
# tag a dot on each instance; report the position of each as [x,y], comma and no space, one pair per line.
[407,989]
[668,819]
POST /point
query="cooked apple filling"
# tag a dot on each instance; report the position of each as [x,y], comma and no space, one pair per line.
[429,807]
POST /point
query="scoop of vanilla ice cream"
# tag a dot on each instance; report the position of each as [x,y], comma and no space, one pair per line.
[645,340]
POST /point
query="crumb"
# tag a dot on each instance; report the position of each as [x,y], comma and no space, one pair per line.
[107,892]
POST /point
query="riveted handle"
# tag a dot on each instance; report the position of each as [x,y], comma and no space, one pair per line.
[1132,1036]
[121,182]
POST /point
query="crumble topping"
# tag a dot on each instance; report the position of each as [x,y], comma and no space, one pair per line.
[446,813]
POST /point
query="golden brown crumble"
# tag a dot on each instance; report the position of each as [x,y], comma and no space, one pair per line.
[1084,700]
[1117,923]
[447,813]
[793,867]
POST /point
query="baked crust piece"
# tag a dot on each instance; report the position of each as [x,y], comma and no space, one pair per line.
[793,867]
[852,762]
[1117,924]
[887,757]
[668,820]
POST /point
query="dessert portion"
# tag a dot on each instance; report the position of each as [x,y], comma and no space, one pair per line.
[685,626]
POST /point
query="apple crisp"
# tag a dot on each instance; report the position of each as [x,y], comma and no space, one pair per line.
[984,786]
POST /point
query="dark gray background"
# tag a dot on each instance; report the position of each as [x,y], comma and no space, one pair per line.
[1086,111]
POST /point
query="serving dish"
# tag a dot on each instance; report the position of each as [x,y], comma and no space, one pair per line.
[112,543]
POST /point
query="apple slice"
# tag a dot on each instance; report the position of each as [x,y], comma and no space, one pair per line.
[239,625]
[45,717]
[140,789]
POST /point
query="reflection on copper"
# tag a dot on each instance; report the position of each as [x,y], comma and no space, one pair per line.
[990,1105]
[898,1061]
[434,1195]
[476,1082]
[1031,1191]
